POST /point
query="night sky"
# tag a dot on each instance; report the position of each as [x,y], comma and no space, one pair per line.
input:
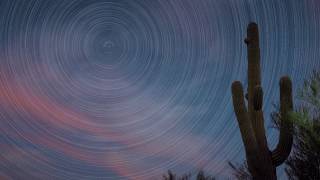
[127,89]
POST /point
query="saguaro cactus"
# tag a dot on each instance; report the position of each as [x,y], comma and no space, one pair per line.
[261,161]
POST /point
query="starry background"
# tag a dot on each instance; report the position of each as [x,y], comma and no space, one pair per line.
[116,89]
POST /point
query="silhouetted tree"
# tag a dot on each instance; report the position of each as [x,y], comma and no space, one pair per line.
[304,163]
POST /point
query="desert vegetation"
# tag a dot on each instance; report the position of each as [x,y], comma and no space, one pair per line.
[298,148]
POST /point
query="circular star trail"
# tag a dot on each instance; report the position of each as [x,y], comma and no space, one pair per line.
[112,89]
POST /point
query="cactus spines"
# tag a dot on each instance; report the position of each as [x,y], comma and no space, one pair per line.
[261,161]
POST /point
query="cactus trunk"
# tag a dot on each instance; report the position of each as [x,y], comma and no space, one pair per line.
[261,161]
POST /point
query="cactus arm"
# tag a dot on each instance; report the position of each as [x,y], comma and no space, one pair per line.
[238,102]
[283,149]
[245,126]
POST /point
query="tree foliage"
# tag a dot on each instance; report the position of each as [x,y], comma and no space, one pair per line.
[304,163]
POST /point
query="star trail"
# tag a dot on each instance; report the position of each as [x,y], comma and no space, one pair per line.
[115,89]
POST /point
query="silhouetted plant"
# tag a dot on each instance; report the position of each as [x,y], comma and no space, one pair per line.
[304,163]
[261,161]
[200,176]
[171,176]
[240,172]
